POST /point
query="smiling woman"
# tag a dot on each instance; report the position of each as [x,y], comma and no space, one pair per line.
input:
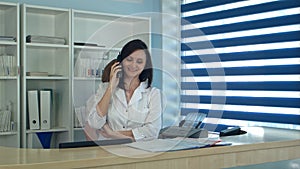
[127,106]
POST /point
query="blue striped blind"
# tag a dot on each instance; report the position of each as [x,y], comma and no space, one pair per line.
[240,61]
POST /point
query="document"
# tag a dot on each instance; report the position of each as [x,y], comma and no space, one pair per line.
[33,108]
[163,145]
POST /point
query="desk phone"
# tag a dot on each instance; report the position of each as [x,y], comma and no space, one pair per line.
[189,127]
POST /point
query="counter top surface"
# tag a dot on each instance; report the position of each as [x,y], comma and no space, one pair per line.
[117,154]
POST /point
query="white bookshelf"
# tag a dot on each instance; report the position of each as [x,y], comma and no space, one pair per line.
[54,59]
[9,74]
[104,35]
[55,64]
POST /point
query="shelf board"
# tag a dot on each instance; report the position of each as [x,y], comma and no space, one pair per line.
[9,43]
[47,78]
[56,130]
[7,133]
[78,129]
[46,45]
[87,78]
[78,47]
[8,77]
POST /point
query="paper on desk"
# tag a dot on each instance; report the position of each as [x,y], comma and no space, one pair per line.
[160,145]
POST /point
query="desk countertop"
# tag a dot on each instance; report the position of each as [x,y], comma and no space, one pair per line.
[255,139]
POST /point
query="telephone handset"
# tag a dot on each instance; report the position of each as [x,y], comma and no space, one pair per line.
[120,73]
[192,120]
[189,127]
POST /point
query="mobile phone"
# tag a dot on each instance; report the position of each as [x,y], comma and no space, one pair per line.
[119,74]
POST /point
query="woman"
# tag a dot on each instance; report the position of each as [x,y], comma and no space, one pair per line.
[127,105]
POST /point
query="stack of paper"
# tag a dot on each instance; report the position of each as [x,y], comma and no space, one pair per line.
[7,63]
[36,73]
[7,38]
[5,118]
[162,145]
[45,39]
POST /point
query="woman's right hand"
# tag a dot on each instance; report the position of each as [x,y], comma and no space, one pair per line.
[114,80]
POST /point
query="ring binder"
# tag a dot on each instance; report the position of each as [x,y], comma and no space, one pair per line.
[33,109]
[45,109]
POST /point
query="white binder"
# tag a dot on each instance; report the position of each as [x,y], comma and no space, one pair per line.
[33,108]
[45,109]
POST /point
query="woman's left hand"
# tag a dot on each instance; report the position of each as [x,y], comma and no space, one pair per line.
[109,133]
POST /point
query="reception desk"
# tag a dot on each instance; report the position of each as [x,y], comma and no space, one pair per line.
[259,145]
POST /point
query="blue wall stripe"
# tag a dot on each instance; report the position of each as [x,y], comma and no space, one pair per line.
[250,116]
[237,100]
[250,40]
[248,10]
[255,70]
[204,4]
[260,86]
[252,55]
[249,25]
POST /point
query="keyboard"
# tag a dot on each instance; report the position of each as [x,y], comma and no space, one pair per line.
[94,143]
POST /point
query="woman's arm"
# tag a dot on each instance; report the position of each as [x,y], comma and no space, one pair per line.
[152,125]
[127,133]
[103,104]
[109,133]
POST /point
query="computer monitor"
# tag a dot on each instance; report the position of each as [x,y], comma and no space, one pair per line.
[94,143]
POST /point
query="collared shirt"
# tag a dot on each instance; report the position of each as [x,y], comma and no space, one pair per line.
[142,114]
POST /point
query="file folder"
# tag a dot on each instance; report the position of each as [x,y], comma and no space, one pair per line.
[33,109]
[45,109]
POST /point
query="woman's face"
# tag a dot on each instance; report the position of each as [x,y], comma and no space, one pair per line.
[134,64]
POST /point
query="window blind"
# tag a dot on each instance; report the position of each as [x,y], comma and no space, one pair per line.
[240,61]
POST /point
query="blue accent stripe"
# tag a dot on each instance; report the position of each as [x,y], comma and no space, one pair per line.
[204,4]
[259,86]
[248,10]
[255,70]
[253,55]
[249,101]
[249,25]
[261,39]
[250,116]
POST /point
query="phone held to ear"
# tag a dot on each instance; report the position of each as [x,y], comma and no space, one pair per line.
[119,74]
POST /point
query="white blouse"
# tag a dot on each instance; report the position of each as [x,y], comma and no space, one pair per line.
[142,114]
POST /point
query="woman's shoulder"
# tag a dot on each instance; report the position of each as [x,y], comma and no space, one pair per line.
[153,90]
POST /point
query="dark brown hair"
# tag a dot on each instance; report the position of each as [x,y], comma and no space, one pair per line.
[129,48]
[106,71]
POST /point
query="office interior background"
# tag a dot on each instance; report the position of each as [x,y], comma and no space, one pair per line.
[236,61]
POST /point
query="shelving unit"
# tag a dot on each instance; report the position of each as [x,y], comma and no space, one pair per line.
[50,64]
[101,36]
[71,71]
[9,75]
